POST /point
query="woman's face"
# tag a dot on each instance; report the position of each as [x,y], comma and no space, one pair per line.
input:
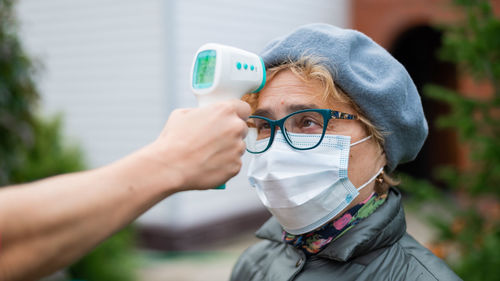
[286,93]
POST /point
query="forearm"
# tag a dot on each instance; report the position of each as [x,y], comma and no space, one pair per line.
[49,224]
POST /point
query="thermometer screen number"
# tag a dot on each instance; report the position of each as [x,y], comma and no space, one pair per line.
[204,69]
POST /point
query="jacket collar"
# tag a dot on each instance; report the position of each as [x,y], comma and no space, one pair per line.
[381,229]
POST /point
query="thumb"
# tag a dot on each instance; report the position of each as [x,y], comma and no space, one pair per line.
[241,108]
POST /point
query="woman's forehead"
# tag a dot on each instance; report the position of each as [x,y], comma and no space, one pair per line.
[288,81]
[287,92]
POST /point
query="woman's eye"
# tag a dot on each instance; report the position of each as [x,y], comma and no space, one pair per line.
[308,123]
[263,126]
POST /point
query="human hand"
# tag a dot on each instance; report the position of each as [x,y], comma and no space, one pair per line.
[202,147]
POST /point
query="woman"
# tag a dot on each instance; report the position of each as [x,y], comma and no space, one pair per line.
[336,112]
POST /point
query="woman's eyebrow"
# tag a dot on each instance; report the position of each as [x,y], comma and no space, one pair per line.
[296,107]
[263,112]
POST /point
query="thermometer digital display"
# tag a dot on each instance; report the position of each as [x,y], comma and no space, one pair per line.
[204,70]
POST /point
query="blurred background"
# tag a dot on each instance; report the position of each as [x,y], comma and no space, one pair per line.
[87,82]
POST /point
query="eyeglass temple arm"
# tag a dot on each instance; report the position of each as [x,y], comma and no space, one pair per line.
[343,115]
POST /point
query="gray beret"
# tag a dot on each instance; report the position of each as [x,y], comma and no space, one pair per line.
[369,75]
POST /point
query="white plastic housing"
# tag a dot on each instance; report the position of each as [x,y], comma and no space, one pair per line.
[231,74]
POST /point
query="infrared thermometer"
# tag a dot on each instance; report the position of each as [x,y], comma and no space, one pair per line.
[221,72]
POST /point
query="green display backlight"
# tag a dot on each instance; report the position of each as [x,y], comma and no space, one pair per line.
[204,69]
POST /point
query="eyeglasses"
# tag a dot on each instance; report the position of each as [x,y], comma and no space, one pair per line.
[313,122]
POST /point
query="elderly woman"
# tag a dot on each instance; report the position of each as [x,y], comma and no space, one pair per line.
[336,112]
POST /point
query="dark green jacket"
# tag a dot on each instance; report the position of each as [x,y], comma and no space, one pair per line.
[377,248]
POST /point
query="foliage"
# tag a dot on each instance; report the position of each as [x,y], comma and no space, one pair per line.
[48,154]
[32,147]
[110,261]
[471,238]
[18,96]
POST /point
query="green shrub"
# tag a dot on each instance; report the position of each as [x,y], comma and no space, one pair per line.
[48,154]
[110,261]
[18,96]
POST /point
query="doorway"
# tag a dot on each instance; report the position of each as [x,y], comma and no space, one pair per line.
[417,49]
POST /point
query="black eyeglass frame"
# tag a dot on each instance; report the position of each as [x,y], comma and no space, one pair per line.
[326,113]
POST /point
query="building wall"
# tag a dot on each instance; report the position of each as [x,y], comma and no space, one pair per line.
[102,68]
[116,69]
[384,20]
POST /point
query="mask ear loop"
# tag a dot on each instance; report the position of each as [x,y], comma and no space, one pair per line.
[361,140]
[372,179]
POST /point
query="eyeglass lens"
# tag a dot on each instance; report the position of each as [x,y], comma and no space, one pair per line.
[297,128]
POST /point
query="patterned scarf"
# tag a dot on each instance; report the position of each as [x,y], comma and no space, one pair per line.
[313,242]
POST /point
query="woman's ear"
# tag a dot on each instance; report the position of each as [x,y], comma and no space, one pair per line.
[384,158]
[381,159]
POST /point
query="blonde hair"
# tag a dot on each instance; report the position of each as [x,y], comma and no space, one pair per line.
[309,68]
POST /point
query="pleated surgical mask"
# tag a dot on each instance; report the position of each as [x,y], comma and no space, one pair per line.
[305,189]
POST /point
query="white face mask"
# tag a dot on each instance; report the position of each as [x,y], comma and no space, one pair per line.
[305,189]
